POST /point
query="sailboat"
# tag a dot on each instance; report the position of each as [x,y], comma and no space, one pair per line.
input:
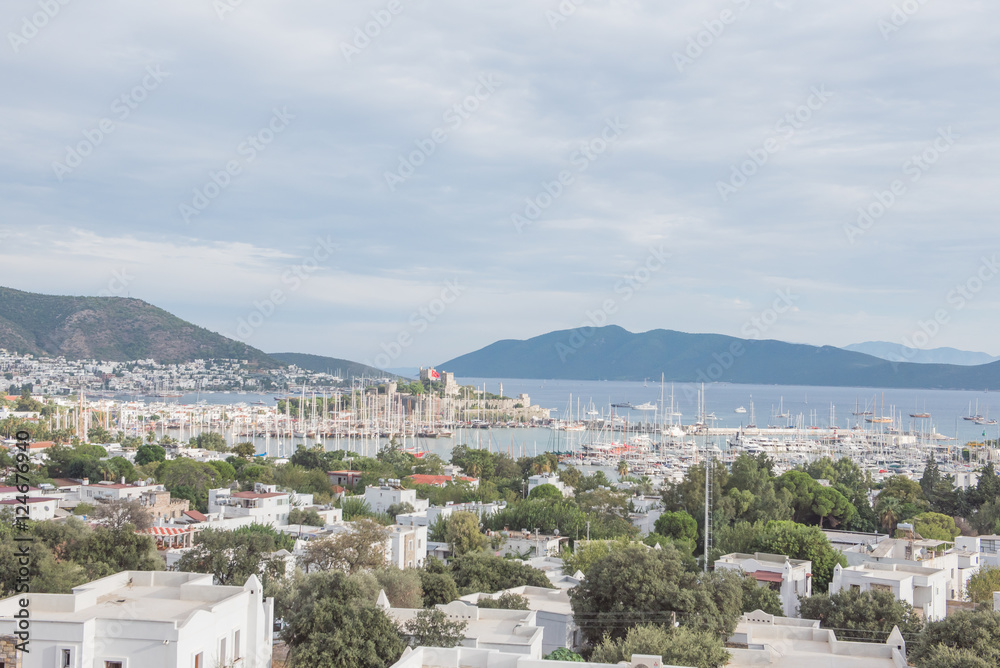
[753,421]
[973,418]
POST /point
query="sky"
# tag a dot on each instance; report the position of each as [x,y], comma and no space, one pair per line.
[399,182]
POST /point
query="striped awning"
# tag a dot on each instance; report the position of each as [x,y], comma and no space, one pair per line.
[165,531]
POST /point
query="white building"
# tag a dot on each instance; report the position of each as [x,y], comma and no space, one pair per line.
[265,505]
[926,589]
[462,657]
[40,508]
[512,631]
[987,546]
[781,642]
[524,544]
[790,578]
[554,615]
[380,498]
[407,546]
[140,619]
[431,515]
[106,491]
[960,562]
[548,479]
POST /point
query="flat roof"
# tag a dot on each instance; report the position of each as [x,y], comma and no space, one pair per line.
[149,596]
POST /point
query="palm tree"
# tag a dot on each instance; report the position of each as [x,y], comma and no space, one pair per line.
[622,468]
[888,510]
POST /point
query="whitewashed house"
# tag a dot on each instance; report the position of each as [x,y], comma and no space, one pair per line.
[142,619]
[790,578]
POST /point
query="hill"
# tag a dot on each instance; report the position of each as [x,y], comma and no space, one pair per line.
[321,364]
[114,329]
[897,352]
[613,353]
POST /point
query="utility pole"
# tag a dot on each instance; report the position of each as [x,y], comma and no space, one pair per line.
[588,531]
[709,461]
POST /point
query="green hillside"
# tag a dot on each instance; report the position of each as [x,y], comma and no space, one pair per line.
[109,328]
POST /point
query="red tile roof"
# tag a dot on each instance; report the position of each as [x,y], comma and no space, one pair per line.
[8,490]
[195,515]
[767,576]
[426,479]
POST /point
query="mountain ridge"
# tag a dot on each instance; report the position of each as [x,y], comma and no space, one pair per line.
[113,329]
[613,353]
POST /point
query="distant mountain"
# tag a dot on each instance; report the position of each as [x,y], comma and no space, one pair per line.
[897,352]
[114,329]
[333,365]
[612,353]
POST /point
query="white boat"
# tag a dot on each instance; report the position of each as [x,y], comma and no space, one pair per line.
[741,409]
[645,407]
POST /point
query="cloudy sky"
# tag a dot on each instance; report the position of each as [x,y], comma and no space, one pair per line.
[335,177]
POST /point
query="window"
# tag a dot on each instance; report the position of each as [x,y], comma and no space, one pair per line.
[855,587]
[199,660]
[222,651]
[114,664]
[66,658]
[236,644]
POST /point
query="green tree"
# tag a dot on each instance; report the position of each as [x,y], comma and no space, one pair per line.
[246,450]
[437,583]
[432,628]
[942,656]
[403,588]
[546,491]
[965,632]
[935,526]
[981,586]
[588,552]
[463,535]
[116,514]
[150,453]
[642,583]
[865,616]
[187,479]
[360,548]
[329,623]
[232,556]
[480,572]
[678,525]
[505,601]
[802,542]
[563,654]
[677,646]
[209,440]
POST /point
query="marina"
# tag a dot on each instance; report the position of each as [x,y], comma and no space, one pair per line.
[639,429]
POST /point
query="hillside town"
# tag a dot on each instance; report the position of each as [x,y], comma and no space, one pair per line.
[210,552]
